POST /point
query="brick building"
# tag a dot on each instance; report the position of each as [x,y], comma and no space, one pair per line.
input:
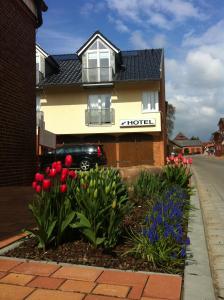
[101,94]
[182,144]
[18,22]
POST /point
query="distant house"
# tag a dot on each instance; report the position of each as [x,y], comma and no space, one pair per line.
[218,138]
[19,21]
[101,94]
[183,144]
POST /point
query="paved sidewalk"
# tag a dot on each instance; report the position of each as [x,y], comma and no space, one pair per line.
[20,279]
[209,177]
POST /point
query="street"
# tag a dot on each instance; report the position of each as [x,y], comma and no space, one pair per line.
[209,173]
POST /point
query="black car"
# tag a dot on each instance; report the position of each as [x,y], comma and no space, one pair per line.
[84,156]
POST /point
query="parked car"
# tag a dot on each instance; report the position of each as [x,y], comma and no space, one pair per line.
[85,156]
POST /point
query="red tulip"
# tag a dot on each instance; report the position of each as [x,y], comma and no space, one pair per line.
[65,171]
[54,164]
[39,177]
[46,184]
[180,156]
[171,158]
[185,161]
[52,172]
[58,168]
[72,174]
[63,188]
[47,170]
[190,160]
[68,160]
[63,177]
[38,188]
[34,184]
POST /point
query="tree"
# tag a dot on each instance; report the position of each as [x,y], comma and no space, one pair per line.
[170,118]
[195,138]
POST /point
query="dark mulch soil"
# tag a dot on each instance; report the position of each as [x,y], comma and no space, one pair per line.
[81,252]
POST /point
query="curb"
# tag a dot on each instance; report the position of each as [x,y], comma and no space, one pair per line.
[198,283]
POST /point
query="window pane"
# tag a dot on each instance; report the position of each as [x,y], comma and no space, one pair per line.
[93,46]
[152,101]
[101,45]
[145,102]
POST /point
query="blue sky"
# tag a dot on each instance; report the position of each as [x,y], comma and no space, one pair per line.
[191,32]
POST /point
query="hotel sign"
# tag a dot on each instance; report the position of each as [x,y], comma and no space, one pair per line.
[137,122]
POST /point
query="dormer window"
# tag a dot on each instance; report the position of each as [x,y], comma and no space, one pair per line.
[98,60]
[97,65]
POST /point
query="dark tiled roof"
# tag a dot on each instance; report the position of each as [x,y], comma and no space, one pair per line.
[136,65]
[188,143]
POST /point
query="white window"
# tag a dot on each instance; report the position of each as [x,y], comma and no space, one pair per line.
[99,109]
[98,63]
[150,101]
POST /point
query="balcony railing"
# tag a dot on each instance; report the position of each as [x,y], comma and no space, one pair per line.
[99,116]
[97,75]
[39,76]
[40,119]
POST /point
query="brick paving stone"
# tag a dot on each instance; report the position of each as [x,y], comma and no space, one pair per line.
[136,292]
[46,282]
[84,274]
[2,274]
[162,286]
[77,286]
[127,278]
[42,294]
[20,279]
[111,290]
[146,298]
[13,292]
[7,264]
[34,268]
[98,297]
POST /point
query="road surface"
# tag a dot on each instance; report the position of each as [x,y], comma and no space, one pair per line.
[209,173]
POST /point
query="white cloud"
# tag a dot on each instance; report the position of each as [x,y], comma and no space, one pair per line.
[119,25]
[156,12]
[159,41]
[214,35]
[195,83]
[138,41]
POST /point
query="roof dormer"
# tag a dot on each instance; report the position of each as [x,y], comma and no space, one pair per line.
[98,57]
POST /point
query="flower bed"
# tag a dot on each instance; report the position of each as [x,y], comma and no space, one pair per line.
[89,218]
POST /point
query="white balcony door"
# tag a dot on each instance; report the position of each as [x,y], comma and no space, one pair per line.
[99,108]
[104,63]
[92,66]
[98,63]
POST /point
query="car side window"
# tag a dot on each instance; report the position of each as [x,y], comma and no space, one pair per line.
[60,151]
[74,150]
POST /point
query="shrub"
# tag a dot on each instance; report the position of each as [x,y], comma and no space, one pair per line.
[52,208]
[148,185]
[162,240]
[102,203]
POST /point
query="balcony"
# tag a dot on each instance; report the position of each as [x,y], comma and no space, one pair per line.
[101,75]
[96,117]
[40,119]
[39,76]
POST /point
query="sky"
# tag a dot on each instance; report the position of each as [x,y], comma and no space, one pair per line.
[191,33]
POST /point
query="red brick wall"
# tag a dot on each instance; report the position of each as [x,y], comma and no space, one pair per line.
[17,93]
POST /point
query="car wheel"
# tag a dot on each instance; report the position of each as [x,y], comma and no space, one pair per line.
[85,165]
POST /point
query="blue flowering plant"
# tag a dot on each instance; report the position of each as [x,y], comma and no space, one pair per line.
[162,239]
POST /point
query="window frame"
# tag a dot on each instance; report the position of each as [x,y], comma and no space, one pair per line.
[149,109]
